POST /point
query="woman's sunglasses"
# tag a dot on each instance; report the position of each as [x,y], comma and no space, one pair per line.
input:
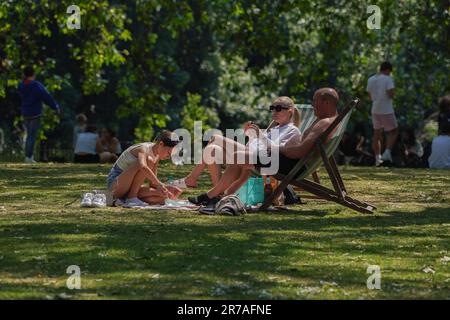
[278,108]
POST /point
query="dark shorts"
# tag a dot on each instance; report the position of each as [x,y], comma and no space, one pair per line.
[285,165]
[88,158]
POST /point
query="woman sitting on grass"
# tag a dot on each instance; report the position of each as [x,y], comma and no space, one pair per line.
[137,163]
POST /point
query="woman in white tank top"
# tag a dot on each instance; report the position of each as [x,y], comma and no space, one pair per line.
[140,162]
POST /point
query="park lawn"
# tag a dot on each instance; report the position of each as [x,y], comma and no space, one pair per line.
[318,250]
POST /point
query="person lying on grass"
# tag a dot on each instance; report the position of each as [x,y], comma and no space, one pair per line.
[140,162]
[324,103]
[285,119]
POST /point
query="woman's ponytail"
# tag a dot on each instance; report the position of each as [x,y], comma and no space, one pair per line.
[295,116]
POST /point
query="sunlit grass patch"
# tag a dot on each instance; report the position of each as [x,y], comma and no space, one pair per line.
[319,250]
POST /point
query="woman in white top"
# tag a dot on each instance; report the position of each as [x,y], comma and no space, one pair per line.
[85,146]
[287,119]
[286,116]
[140,162]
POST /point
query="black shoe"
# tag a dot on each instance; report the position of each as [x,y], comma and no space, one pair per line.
[212,202]
[200,200]
[209,208]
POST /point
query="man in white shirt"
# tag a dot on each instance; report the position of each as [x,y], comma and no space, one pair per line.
[381,92]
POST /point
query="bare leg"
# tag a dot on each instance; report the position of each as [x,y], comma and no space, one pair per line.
[227,146]
[234,177]
[136,184]
[124,181]
[392,137]
[151,195]
[191,179]
[231,174]
[210,154]
[245,175]
[105,157]
[377,141]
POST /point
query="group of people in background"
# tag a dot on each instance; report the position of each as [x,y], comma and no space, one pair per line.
[88,145]
[92,147]
[400,148]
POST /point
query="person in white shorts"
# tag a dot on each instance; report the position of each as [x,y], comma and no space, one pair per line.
[381,92]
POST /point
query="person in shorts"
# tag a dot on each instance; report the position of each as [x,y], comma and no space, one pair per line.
[381,92]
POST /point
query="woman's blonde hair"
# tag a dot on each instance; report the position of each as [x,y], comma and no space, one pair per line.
[288,102]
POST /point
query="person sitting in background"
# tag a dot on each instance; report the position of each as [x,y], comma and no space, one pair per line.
[444,112]
[411,149]
[80,126]
[85,148]
[108,146]
[347,149]
[351,149]
[440,148]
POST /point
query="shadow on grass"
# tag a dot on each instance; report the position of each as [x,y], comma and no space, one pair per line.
[192,258]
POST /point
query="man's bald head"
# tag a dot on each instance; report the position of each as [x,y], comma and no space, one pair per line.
[327,94]
[325,102]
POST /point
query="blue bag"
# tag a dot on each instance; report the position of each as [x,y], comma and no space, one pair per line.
[252,192]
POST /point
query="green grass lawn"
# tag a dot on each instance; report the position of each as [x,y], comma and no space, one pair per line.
[316,251]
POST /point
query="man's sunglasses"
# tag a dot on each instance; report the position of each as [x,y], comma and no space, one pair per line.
[278,108]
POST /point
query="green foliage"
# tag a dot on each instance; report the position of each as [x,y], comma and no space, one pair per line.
[137,61]
[194,111]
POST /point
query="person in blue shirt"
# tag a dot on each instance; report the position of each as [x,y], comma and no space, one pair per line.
[33,94]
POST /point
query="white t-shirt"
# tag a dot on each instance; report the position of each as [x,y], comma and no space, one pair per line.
[440,153]
[86,142]
[278,136]
[377,85]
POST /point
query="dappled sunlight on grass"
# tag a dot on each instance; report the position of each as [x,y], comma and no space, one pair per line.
[319,250]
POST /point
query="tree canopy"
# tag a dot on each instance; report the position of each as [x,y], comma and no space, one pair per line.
[148,64]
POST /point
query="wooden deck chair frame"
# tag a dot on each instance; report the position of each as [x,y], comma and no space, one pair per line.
[339,194]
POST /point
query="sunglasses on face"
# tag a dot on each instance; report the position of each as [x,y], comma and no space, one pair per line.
[278,108]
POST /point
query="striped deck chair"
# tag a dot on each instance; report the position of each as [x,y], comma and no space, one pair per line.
[322,154]
[307,117]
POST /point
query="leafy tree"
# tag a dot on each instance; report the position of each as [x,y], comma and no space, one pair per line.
[143,65]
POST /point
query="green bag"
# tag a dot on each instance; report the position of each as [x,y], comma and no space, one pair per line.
[252,192]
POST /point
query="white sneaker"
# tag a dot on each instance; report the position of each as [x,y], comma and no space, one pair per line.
[378,161]
[99,201]
[135,202]
[386,155]
[86,202]
[29,160]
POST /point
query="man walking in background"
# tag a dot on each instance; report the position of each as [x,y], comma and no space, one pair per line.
[381,92]
[33,94]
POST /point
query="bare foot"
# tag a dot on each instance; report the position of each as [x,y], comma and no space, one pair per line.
[190,183]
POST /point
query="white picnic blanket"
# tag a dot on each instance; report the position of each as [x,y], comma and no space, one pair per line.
[184,205]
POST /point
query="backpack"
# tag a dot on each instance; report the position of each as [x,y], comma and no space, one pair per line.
[230,205]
